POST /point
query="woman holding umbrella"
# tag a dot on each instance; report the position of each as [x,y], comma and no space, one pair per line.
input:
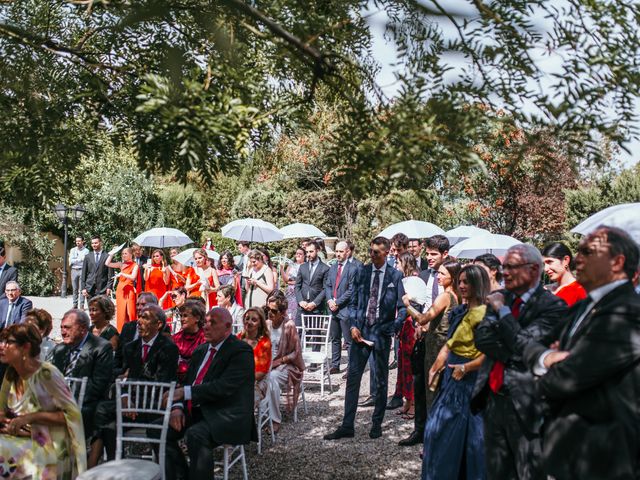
[126,290]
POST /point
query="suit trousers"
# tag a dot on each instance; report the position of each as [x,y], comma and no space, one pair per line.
[508,453]
[76,285]
[358,357]
[339,330]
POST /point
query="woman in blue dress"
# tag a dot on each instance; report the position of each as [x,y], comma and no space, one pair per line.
[453,437]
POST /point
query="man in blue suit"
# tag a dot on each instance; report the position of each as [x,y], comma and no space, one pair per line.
[380,306]
[339,290]
[14,307]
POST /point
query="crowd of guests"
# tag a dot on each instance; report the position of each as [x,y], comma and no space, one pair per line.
[501,375]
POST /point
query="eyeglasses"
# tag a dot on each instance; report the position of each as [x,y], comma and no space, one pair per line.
[508,266]
[586,251]
[273,310]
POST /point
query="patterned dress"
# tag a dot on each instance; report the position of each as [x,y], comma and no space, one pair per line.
[51,452]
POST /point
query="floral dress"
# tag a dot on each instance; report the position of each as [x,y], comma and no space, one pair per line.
[51,452]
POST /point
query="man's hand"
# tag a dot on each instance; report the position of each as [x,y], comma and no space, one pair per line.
[177,419]
[356,335]
[332,305]
[178,394]
[125,404]
[303,305]
[554,357]
[311,306]
[495,300]
[85,293]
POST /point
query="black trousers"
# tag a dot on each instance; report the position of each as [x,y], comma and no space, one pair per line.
[339,330]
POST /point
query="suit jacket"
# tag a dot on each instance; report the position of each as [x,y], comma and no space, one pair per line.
[161,364]
[346,288]
[225,395]
[21,306]
[424,265]
[591,430]
[127,335]
[95,362]
[96,278]
[505,340]
[311,290]
[9,274]
[392,310]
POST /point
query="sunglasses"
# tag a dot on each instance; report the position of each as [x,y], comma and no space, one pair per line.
[273,310]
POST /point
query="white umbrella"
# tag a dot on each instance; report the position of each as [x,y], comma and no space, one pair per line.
[412,229]
[463,232]
[162,237]
[625,216]
[301,230]
[252,230]
[487,243]
[186,257]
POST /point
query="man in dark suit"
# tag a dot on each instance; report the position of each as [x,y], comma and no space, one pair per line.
[522,313]
[130,332]
[309,289]
[7,272]
[399,245]
[82,354]
[97,278]
[339,290]
[350,254]
[141,260]
[13,307]
[215,407]
[415,248]
[590,367]
[379,309]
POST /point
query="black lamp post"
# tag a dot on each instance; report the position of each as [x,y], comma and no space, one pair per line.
[65,214]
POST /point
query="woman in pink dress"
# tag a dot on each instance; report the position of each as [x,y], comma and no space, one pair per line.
[558,263]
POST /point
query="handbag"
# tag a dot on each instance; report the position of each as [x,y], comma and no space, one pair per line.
[435,381]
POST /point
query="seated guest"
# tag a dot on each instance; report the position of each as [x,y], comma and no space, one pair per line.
[13,307]
[82,354]
[41,435]
[44,323]
[152,357]
[256,334]
[177,298]
[129,332]
[191,336]
[217,400]
[101,311]
[287,365]
[226,300]
[453,436]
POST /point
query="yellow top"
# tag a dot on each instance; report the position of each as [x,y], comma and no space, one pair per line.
[461,342]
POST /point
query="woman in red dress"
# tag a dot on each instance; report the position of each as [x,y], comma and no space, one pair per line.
[125,291]
[156,277]
[256,334]
[203,281]
[558,263]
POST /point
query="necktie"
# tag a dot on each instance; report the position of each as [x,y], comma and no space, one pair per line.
[145,352]
[97,258]
[73,359]
[435,288]
[338,275]
[201,373]
[7,321]
[372,306]
[311,270]
[496,375]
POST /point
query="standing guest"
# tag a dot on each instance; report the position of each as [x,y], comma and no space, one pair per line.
[493,267]
[226,298]
[351,254]
[130,332]
[101,311]
[82,354]
[590,368]
[525,311]
[310,293]
[216,403]
[243,262]
[7,272]
[208,244]
[13,307]
[41,435]
[289,275]
[125,291]
[453,444]
[415,249]
[141,260]
[255,332]
[228,274]
[177,271]
[558,263]
[205,282]
[156,277]
[399,245]
[97,277]
[287,366]
[340,292]
[44,323]
[380,306]
[76,259]
[259,283]
[266,258]
[191,335]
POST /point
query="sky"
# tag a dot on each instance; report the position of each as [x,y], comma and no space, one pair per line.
[385,53]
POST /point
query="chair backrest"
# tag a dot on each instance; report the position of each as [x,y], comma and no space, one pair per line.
[315,332]
[78,387]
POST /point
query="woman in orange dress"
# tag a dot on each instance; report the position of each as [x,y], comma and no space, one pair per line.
[126,290]
[156,277]
[256,333]
[177,273]
[558,263]
[204,281]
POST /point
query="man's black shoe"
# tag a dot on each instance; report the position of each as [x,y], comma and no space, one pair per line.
[369,402]
[334,370]
[341,432]
[395,402]
[375,432]
[414,439]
